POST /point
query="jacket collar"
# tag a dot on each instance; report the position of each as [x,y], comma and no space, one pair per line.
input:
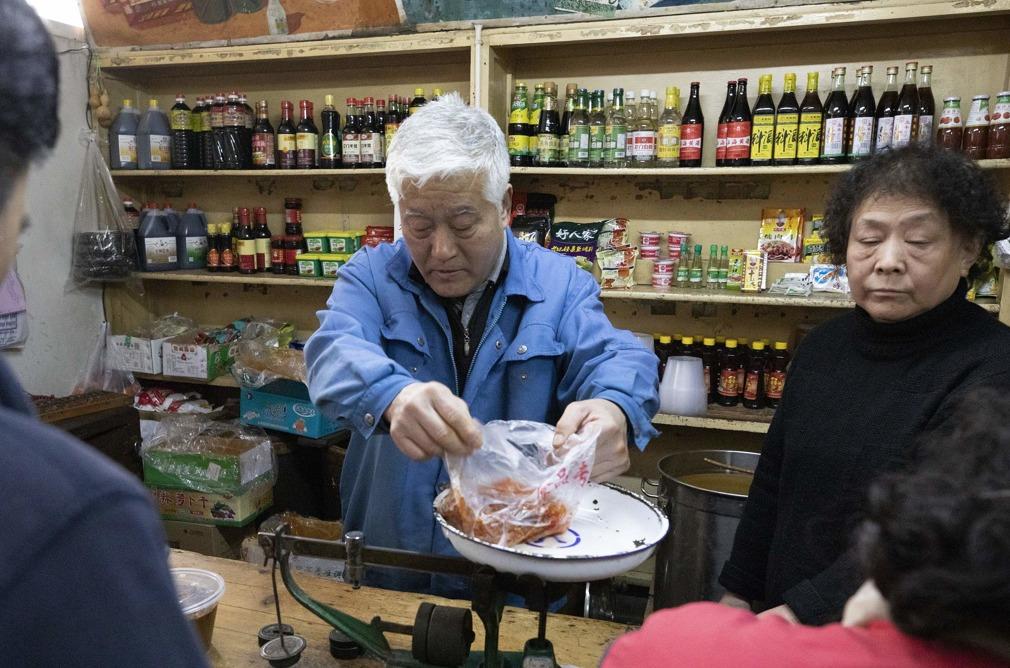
[518,281]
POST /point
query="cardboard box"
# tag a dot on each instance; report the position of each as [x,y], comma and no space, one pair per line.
[284,405]
[183,358]
[214,541]
[224,509]
[224,465]
[135,353]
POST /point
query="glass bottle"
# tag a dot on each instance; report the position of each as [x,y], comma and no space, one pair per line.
[712,270]
[668,132]
[927,105]
[836,115]
[861,118]
[951,127]
[617,131]
[518,128]
[999,128]
[549,130]
[886,109]
[723,267]
[329,141]
[730,368]
[579,132]
[417,102]
[697,273]
[366,133]
[597,130]
[261,235]
[246,244]
[692,130]
[264,148]
[684,266]
[287,143]
[739,130]
[787,124]
[643,135]
[808,144]
[571,94]
[724,119]
[906,117]
[975,141]
[250,121]
[762,139]
[393,118]
[350,142]
[535,109]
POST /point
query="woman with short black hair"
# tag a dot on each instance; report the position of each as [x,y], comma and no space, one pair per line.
[909,225]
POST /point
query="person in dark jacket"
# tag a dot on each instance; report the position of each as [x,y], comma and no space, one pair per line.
[910,225]
[85,579]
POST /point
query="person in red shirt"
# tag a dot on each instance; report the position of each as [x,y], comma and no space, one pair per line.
[935,547]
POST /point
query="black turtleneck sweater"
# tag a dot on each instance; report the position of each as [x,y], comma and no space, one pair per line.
[858,395]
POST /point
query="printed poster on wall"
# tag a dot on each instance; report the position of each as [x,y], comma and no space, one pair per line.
[168,22]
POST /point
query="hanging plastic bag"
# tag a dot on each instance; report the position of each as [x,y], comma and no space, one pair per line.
[101,374]
[518,487]
[104,246]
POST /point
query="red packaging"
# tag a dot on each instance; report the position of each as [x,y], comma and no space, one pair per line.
[738,140]
[649,252]
[690,141]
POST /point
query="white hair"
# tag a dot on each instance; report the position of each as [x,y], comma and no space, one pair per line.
[445,139]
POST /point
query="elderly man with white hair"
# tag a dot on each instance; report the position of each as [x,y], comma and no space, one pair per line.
[459,321]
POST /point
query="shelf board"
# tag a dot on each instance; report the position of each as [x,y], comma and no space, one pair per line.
[669,172]
[227,380]
[723,418]
[640,293]
[199,276]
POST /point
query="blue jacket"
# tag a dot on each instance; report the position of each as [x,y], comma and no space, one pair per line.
[547,343]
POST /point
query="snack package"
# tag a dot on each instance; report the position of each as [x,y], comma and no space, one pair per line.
[815,249]
[755,271]
[534,229]
[829,278]
[781,234]
[792,285]
[617,267]
[263,355]
[518,487]
[533,204]
[734,271]
[161,400]
[577,240]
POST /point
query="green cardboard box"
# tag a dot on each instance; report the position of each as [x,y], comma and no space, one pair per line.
[218,464]
[223,509]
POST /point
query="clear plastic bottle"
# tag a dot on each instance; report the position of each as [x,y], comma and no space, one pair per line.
[154,139]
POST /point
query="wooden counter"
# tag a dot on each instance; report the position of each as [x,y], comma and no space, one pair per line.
[248,605]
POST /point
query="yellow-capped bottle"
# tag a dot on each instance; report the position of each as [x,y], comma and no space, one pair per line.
[787,124]
[762,139]
[808,151]
[668,133]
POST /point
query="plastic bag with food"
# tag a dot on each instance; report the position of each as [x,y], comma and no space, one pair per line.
[263,355]
[518,487]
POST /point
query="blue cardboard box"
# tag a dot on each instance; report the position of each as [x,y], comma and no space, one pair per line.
[284,405]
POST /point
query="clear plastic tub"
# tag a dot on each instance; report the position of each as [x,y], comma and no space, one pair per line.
[199,592]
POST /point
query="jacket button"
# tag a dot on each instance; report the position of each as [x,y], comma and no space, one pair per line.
[369,419]
[522,349]
[420,340]
[523,376]
[497,344]
[413,369]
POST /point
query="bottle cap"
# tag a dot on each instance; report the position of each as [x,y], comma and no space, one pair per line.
[571,88]
[211,229]
[742,340]
[731,343]
[369,100]
[952,98]
[708,341]
[687,340]
[152,103]
[180,97]
[758,345]
[781,345]
[127,103]
[665,339]
[520,84]
[350,102]
[418,92]
[328,100]
[911,65]
[380,104]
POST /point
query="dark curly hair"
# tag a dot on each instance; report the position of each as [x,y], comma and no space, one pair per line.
[956,185]
[937,537]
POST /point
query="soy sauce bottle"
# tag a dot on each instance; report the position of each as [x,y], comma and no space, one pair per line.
[739,132]
[330,141]
[775,383]
[754,384]
[287,142]
[306,138]
[730,367]
[182,134]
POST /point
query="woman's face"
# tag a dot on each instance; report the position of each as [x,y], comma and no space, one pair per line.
[903,257]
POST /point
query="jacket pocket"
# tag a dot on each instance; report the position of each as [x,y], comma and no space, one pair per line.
[405,343]
[534,357]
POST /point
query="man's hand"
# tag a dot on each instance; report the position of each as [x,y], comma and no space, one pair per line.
[783,611]
[865,606]
[612,447]
[732,600]
[427,420]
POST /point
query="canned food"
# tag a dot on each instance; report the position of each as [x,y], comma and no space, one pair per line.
[648,238]
[648,252]
[675,239]
[663,267]
[662,281]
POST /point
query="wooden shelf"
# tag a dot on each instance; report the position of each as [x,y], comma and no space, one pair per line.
[255,173]
[200,276]
[723,418]
[227,380]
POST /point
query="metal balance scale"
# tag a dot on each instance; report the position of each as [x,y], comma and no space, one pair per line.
[613,531]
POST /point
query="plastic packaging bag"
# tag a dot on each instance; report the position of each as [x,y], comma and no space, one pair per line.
[518,488]
[104,247]
[262,355]
[193,452]
[101,374]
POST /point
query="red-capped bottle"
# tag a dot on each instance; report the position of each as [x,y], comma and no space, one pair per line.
[738,134]
[692,130]
[287,138]
[723,129]
[246,244]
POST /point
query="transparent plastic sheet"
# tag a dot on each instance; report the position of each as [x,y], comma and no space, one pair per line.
[165,327]
[197,453]
[104,246]
[101,375]
[518,488]
[263,356]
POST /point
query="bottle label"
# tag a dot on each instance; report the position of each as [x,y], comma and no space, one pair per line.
[276,256]
[549,148]
[286,142]
[306,141]
[213,257]
[216,117]
[720,141]
[247,255]
[728,386]
[263,149]
[160,250]
[519,114]
[787,130]
[597,142]
[834,138]
[776,384]
[161,149]
[808,141]
[668,142]
[643,145]
[885,132]
[262,254]
[617,140]
[738,140]
[578,143]
[862,136]
[925,129]
[1000,113]
[352,150]
[950,118]
[519,145]
[979,114]
[695,275]
[228,257]
[233,116]
[563,148]
[752,386]
[196,250]
[904,125]
[328,146]
[182,119]
[690,141]
[762,138]
[379,147]
[206,123]
[366,148]
[195,122]
[127,149]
